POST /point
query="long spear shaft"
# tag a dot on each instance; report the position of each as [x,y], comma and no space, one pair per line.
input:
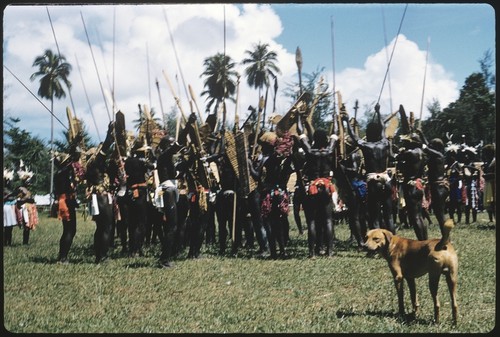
[392,54]
[224,112]
[114,36]
[236,116]
[248,118]
[35,97]
[95,66]
[334,98]
[161,104]
[104,62]
[175,53]
[149,77]
[87,96]
[177,100]
[257,126]
[265,108]
[387,58]
[191,92]
[59,53]
[423,88]
[298,60]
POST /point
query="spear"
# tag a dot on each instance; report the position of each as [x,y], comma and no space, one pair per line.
[87,96]
[356,107]
[392,54]
[298,60]
[161,104]
[95,66]
[275,93]
[191,92]
[236,116]
[176,98]
[59,53]
[39,101]
[175,52]
[387,58]
[334,101]
[261,106]
[423,88]
[149,80]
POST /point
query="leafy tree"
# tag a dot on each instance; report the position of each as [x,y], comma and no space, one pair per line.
[142,118]
[21,145]
[323,111]
[53,70]
[64,145]
[486,63]
[471,115]
[261,67]
[220,80]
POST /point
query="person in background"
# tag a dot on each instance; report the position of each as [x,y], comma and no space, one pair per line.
[100,197]
[489,171]
[27,212]
[436,173]
[9,207]
[68,175]
[136,168]
[318,206]
[376,151]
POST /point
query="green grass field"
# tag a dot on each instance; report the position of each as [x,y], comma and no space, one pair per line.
[346,293]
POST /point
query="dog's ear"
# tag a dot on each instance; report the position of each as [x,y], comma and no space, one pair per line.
[388,235]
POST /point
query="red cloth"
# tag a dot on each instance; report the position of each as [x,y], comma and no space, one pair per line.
[326,182]
[283,206]
[63,209]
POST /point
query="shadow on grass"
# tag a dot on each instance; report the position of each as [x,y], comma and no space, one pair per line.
[140,264]
[377,313]
[407,319]
[487,226]
[54,260]
[77,255]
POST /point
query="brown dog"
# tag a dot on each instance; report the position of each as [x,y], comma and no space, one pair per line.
[409,259]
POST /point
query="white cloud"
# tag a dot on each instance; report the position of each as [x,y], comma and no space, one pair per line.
[141,37]
[405,80]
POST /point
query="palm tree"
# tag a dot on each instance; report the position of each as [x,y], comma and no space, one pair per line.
[219,81]
[142,118]
[52,70]
[261,67]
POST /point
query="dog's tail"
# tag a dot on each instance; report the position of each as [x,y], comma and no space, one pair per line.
[445,234]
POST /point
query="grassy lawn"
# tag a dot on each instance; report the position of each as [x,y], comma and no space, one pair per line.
[346,293]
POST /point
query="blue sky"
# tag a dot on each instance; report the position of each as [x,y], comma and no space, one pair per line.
[459,33]
[134,49]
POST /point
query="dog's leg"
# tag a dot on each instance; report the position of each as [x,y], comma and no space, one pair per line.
[433,286]
[451,280]
[413,294]
[398,282]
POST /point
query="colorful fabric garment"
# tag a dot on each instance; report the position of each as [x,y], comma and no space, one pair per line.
[200,196]
[63,209]
[9,214]
[79,170]
[473,195]
[417,183]
[135,189]
[32,216]
[360,188]
[325,182]
[283,202]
